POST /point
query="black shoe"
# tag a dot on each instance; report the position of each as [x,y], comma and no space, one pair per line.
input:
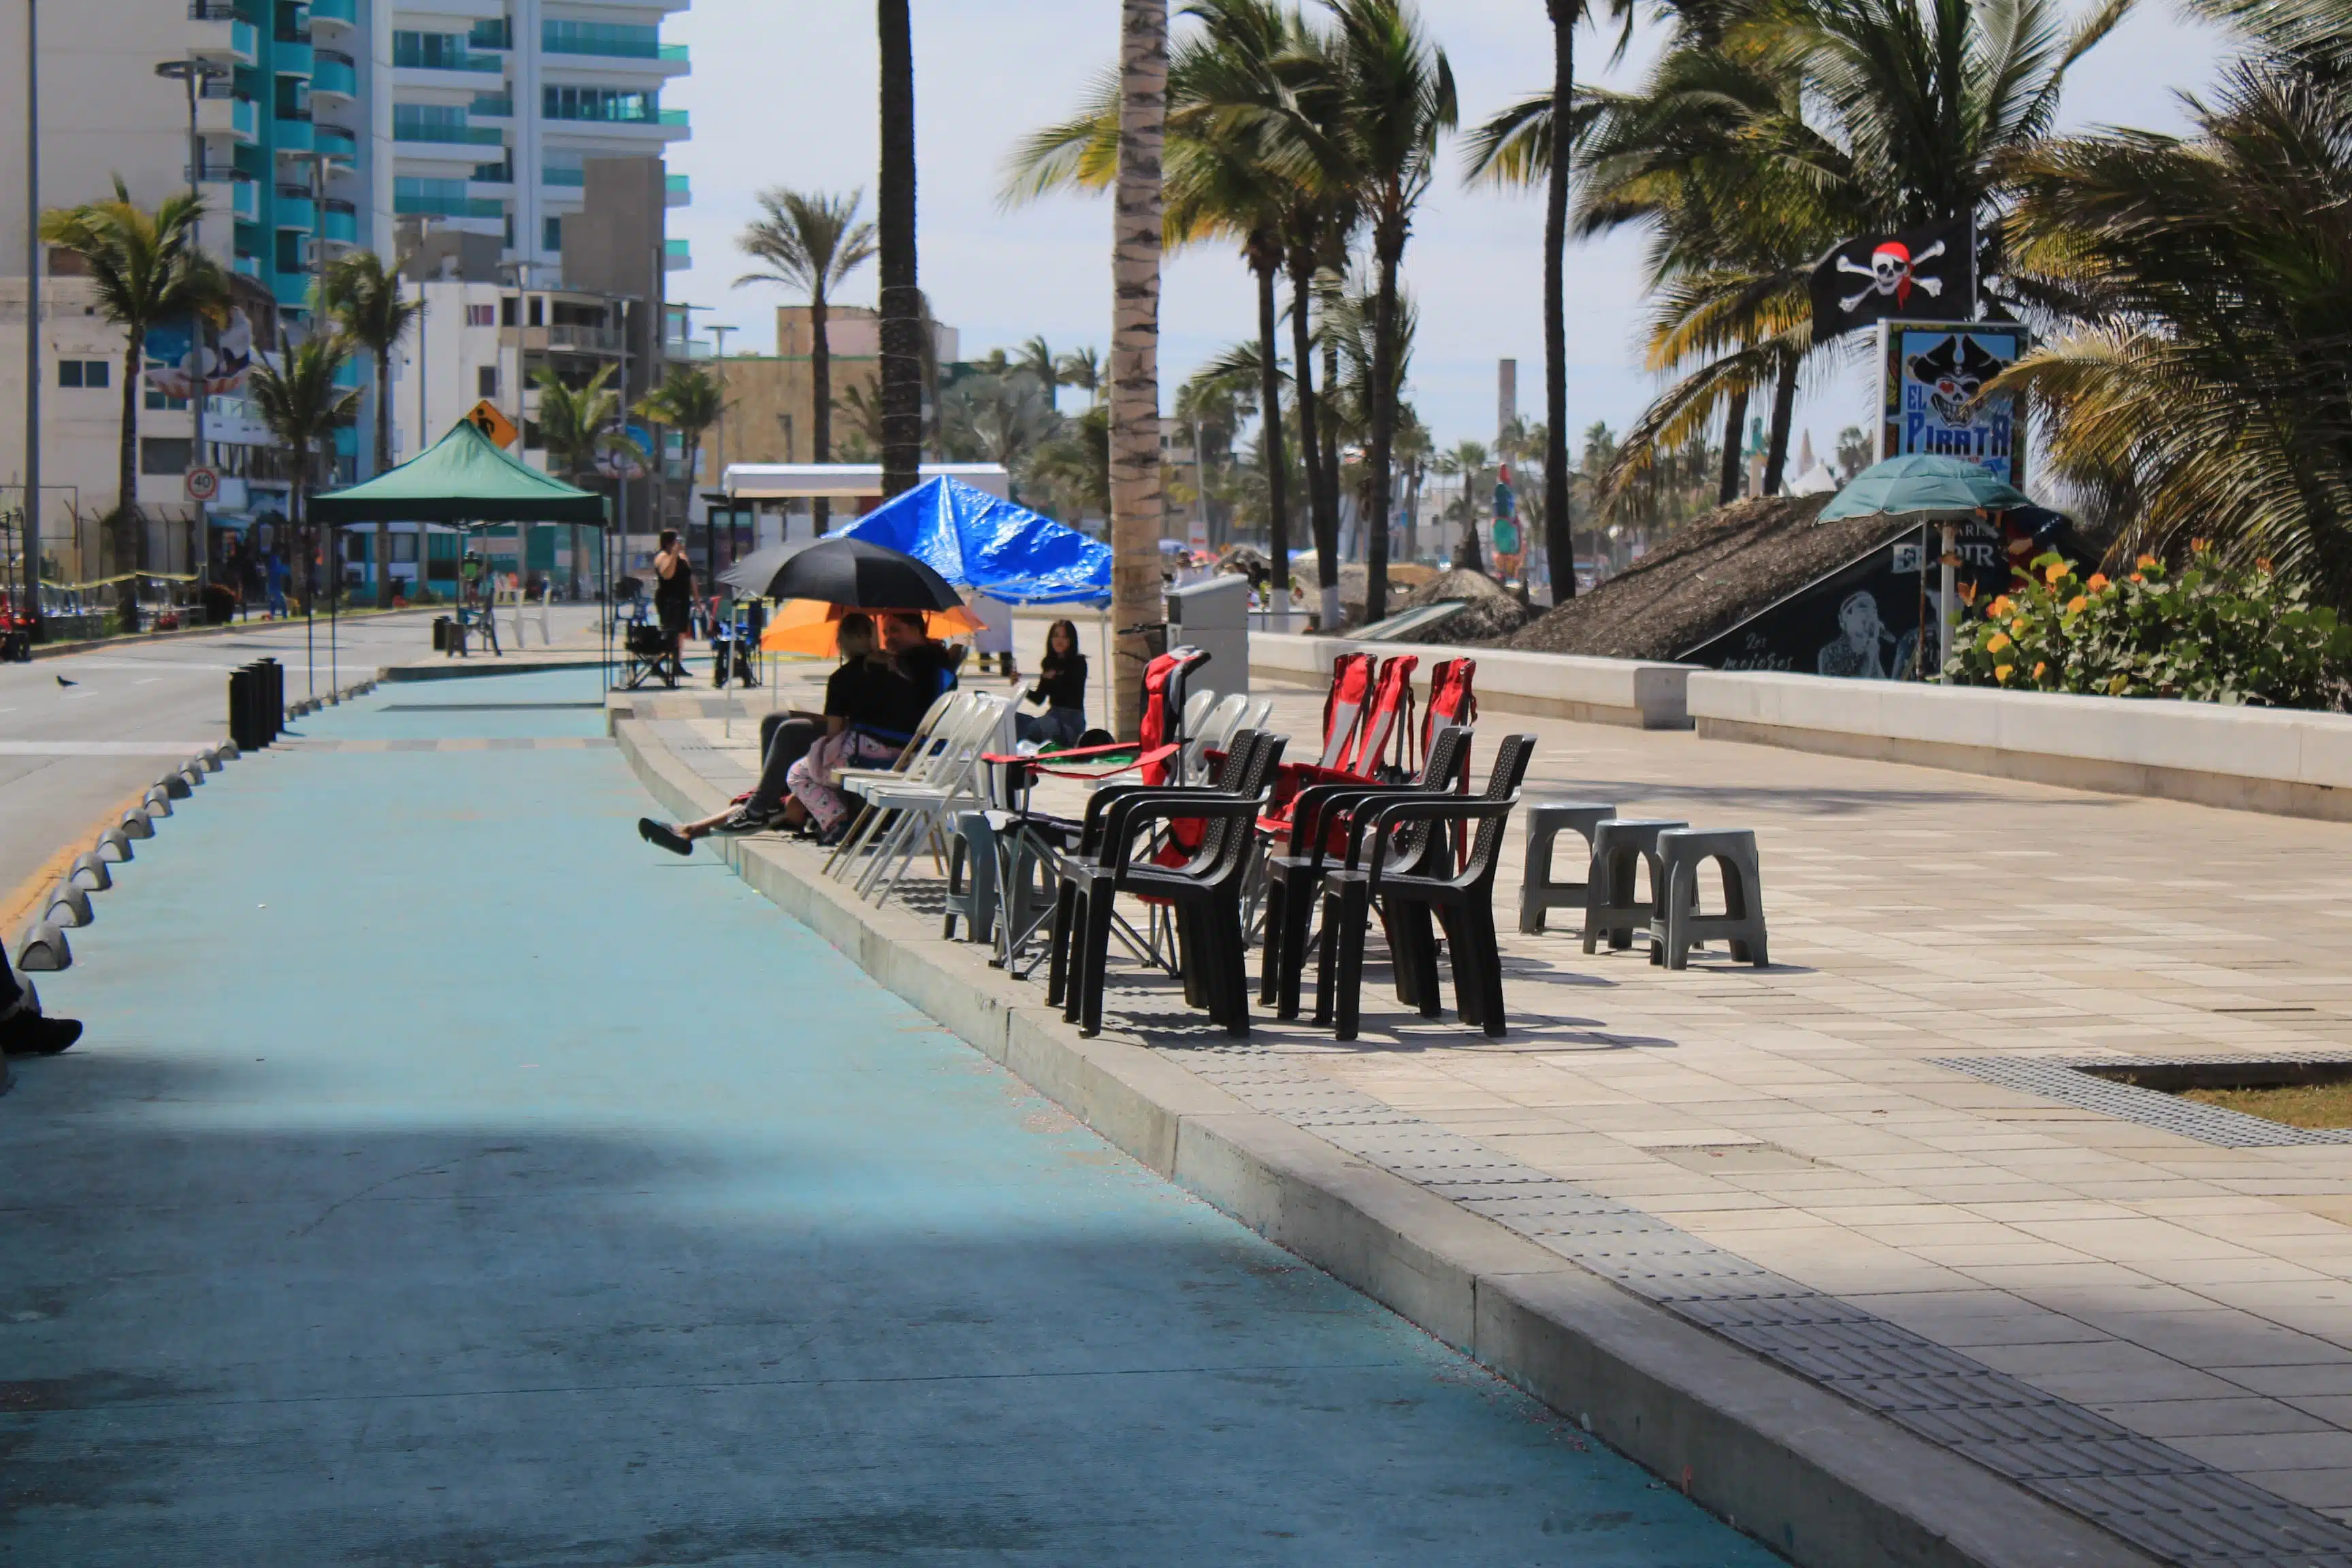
[664,835]
[743,819]
[31,1035]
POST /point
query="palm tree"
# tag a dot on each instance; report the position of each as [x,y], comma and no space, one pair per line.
[302,407]
[145,268]
[1515,149]
[579,424]
[904,354]
[689,401]
[1467,461]
[1136,504]
[372,313]
[1036,359]
[2203,385]
[997,419]
[1081,368]
[811,242]
[1399,93]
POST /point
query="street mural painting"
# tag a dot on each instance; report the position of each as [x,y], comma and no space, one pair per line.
[1932,380]
[1865,620]
[178,359]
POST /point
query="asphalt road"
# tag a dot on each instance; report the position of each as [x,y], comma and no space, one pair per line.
[72,753]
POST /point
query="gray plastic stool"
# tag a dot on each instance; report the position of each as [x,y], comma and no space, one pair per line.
[972,877]
[1547,820]
[1620,847]
[1681,927]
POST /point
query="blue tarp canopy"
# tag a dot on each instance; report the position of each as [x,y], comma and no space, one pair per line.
[989,545]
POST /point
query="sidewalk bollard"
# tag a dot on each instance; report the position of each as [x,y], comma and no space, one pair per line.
[172,785]
[192,772]
[228,752]
[210,757]
[138,824]
[73,901]
[90,872]
[43,950]
[158,801]
[116,840]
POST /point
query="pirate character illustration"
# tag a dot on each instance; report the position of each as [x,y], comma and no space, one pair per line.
[1955,370]
[1893,274]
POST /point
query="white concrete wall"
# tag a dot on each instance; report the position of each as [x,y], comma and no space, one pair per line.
[1636,692]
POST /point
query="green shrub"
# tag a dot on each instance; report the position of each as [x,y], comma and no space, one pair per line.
[2213,633]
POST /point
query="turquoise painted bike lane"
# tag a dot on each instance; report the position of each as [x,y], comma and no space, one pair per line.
[446,1178]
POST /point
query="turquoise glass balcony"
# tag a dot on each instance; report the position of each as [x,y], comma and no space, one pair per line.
[673,117]
[676,255]
[334,139]
[334,74]
[341,223]
[347,11]
[245,115]
[294,135]
[245,200]
[296,212]
[289,59]
[680,189]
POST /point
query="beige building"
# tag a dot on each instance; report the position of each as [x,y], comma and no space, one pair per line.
[772,412]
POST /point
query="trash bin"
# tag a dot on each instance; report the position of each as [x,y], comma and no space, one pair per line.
[1214,616]
[440,634]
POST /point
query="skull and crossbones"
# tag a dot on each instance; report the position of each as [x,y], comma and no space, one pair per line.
[1891,273]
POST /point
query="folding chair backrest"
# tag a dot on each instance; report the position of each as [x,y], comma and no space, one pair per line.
[1452,700]
[927,760]
[1213,732]
[1388,717]
[1259,713]
[1196,709]
[1164,682]
[1343,705]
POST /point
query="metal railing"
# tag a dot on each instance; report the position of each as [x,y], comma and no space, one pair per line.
[212,11]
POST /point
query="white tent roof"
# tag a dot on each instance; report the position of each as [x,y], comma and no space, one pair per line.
[837,482]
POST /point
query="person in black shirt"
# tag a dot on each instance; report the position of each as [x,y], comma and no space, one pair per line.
[1062,687]
[863,690]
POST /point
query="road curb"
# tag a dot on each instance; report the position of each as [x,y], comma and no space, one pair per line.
[1825,1482]
[95,644]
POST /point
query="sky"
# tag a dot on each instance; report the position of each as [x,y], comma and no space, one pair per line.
[782,93]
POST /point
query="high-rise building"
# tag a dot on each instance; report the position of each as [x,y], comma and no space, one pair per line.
[334,122]
[498,106]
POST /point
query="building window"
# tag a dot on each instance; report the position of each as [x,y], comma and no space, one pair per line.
[404,549]
[537,310]
[600,103]
[90,373]
[552,234]
[293,97]
[507,311]
[492,32]
[562,173]
[290,250]
[629,40]
[435,52]
[163,404]
[163,455]
[485,381]
[429,123]
[481,315]
[498,173]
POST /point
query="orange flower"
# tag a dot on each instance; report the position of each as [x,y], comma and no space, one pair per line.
[1998,607]
[2001,671]
[2098,583]
[1995,643]
[2078,604]
[2055,574]
[2137,578]
[2147,560]
[2040,667]
[2200,546]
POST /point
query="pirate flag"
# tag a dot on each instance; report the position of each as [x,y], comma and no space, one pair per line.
[1923,272]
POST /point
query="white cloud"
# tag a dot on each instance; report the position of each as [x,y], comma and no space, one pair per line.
[783,93]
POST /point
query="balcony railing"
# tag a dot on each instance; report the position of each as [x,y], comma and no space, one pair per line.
[591,340]
[568,178]
[680,187]
[347,11]
[212,10]
[336,73]
[673,117]
[453,135]
[447,207]
[336,139]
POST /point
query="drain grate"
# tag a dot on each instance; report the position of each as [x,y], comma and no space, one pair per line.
[2085,1083]
[2161,1501]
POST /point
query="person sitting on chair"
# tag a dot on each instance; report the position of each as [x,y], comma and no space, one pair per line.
[921,672]
[1062,687]
[864,691]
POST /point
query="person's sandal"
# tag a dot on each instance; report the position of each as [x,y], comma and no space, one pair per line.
[665,835]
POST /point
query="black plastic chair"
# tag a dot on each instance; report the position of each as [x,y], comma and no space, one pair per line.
[1204,890]
[1463,903]
[1293,880]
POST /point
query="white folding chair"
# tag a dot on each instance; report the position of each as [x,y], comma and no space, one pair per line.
[918,752]
[924,807]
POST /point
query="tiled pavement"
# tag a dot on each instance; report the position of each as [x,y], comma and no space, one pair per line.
[1865,1138]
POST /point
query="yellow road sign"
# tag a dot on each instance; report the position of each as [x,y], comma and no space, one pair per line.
[485,417]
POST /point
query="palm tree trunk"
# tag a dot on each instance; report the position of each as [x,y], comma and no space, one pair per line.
[1135,503]
[382,546]
[1728,490]
[1412,514]
[902,294]
[821,398]
[1322,497]
[1269,391]
[1784,408]
[1559,528]
[1379,483]
[130,528]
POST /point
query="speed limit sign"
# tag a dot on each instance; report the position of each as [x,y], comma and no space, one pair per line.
[202,484]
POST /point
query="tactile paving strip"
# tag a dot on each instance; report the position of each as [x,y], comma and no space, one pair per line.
[2164,1502]
[2062,1078]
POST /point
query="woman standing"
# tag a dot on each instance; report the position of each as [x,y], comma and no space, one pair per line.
[1062,687]
[673,599]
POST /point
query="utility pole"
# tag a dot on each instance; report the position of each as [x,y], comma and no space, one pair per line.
[32,530]
[719,429]
[193,74]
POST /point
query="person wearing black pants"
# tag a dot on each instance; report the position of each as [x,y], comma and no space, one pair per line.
[24,1032]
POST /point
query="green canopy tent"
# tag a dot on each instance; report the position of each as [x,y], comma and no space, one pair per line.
[462,480]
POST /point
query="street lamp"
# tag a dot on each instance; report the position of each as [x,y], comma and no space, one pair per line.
[318,162]
[32,529]
[193,74]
